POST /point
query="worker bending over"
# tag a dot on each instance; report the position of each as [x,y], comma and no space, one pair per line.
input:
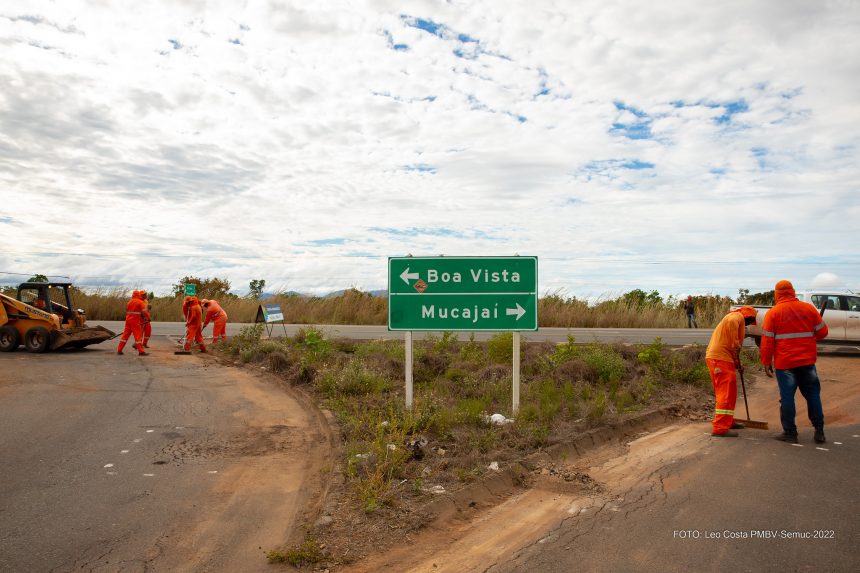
[193,320]
[723,358]
[213,313]
[133,323]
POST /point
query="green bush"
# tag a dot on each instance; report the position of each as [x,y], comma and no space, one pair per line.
[500,348]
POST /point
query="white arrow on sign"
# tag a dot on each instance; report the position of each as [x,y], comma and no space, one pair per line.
[519,311]
[406,275]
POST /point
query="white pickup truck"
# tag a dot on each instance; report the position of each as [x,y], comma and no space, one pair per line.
[841,314]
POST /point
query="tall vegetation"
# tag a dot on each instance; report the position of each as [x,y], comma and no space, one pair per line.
[635,309]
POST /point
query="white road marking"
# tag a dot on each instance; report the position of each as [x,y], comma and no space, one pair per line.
[822,449]
[108,465]
[123,451]
[180,427]
[149,431]
[111,473]
[838,443]
[213,472]
[855,435]
[137,441]
[798,445]
[149,475]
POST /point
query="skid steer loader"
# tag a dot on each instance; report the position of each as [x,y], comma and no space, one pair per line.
[42,317]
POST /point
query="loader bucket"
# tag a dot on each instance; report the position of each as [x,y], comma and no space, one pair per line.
[80,337]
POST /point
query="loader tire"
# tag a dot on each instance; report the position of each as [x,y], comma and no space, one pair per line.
[37,339]
[9,338]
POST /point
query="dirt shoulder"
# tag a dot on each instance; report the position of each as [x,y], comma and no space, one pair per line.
[567,484]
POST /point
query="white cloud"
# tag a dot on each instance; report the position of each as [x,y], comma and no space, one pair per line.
[683,148]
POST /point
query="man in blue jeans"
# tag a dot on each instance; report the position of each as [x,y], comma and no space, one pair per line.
[790,334]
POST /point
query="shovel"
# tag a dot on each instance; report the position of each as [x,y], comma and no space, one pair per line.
[749,423]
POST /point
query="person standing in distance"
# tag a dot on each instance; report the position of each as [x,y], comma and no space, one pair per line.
[690,308]
[723,359]
[790,334]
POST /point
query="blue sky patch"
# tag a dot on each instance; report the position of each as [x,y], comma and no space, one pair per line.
[636,164]
[731,108]
[6,220]
[327,242]
[420,167]
[428,26]
[639,128]
[718,171]
[235,41]
[177,45]
[417,231]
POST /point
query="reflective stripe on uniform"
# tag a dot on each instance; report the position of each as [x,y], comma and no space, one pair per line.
[767,333]
[727,412]
[819,327]
[138,313]
[794,335]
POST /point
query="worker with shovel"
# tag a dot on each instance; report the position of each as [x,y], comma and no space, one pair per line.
[213,313]
[723,359]
[193,319]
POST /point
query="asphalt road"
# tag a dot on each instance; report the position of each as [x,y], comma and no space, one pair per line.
[158,463]
[670,336]
[751,504]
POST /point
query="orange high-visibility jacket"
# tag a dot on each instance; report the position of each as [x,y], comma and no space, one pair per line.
[192,311]
[134,310]
[790,332]
[214,312]
[727,338]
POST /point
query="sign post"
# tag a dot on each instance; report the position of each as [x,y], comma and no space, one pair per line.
[270,314]
[465,294]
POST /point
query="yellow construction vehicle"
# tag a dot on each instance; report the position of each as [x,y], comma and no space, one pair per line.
[42,317]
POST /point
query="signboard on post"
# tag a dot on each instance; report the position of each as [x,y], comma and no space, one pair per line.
[269,314]
[190,289]
[462,293]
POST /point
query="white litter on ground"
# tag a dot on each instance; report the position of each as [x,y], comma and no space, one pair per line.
[498,420]
[823,449]
[435,489]
[493,466]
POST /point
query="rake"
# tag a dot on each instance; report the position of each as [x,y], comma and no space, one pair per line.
[749,423]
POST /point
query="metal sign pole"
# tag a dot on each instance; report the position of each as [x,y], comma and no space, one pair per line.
[516,398]
[408,341]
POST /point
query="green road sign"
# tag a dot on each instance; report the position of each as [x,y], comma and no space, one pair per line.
[462,293]
[190,289]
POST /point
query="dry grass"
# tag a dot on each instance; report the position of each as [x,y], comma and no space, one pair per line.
[356,307]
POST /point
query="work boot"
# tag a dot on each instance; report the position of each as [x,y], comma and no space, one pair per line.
[729,434]
[119,352]
[737,426]
[203,350]
[788,437]
[143,353]
[819,435]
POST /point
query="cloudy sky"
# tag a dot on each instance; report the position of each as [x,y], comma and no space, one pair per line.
[690,147]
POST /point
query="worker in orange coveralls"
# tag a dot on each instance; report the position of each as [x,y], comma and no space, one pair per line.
[133,326]
[193,319]
[213,313]
[723,358]
[147,320]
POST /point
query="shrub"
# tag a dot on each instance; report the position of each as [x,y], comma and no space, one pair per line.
[500,348]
